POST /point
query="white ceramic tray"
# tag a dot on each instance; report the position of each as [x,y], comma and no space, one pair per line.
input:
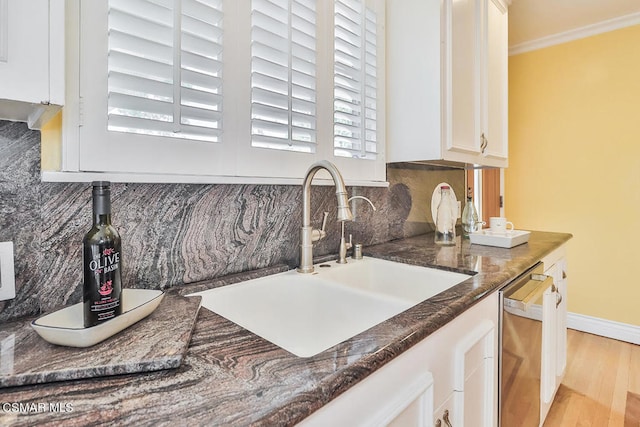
[66,326]
[501,240]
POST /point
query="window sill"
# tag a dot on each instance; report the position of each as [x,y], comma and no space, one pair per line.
[54,176]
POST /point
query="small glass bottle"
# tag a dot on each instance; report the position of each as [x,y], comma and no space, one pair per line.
[102,262]
[469,216]
[446,218]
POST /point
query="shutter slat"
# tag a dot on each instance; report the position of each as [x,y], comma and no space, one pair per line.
[202,65]
[283,78]
[304,66]
[135,66]
[157,11]
[142,90]
[165,129]
[355,80]
[267,56]
[269,128]
[202,11]
[144,48]
[303,107]
[349,84]
[199,117]
[262,141]
[199,81]
[268,98]
[268,44]
[144,28]
[270,116]
[269,21]
[270,83]
[346,61]
[305,11]
[303,53]
[138,86]
[204,100]
[141,107]
[303,93]
[304,122]
[199,46]
[195,27]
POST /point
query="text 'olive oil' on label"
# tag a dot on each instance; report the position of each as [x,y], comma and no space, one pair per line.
[102,262]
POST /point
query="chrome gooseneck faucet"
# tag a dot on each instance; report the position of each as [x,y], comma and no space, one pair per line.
[307,234]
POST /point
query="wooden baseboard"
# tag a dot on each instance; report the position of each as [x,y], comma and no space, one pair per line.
[594,325]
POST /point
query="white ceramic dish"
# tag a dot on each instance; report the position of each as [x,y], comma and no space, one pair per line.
[66,326]
[501,240]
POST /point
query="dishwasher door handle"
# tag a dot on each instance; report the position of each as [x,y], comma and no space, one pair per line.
[521,297]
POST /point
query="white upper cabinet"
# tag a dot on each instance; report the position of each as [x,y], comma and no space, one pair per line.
[447,81]
[31,60]
[495,152]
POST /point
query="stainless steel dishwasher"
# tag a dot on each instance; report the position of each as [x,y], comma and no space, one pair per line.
[521,349]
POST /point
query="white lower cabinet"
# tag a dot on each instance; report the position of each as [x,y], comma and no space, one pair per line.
[476,375]
[446,413]
[554,332]
[454,370]
[399,394]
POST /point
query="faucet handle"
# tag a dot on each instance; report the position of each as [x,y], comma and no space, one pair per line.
[324,221]
[320,234]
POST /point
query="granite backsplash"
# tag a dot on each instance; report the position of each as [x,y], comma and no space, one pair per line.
[174,234]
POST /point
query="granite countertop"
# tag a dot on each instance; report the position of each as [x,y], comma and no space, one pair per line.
[232,377]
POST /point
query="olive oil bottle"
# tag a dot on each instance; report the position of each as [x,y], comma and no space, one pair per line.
[102,262]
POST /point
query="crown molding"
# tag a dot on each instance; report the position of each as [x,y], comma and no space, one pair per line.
[578,33]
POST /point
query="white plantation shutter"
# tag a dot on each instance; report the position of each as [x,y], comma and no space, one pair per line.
[283,75]
[355,80]
[165,68]
[149,87]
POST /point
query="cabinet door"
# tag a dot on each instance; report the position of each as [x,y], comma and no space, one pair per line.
[477,85]
[398,394]
[548,384]
[453,369]
[24,50]
[446,414]
[447,98]
[560,279]
[554,338]
[475,376]
[494,135]
[561,313]
[464,78]
[414,75]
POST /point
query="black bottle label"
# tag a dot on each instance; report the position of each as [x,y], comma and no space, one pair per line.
[102,282]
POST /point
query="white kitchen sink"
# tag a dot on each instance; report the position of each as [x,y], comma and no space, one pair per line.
[308,313]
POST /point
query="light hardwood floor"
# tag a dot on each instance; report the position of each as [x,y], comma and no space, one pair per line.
[601,387]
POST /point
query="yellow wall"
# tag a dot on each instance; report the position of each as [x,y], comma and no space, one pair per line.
[574,163]
[51,144]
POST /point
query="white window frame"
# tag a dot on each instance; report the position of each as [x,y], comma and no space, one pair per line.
[233,160]
[377,167]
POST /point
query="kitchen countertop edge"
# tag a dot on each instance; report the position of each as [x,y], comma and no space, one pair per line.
[261,384]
